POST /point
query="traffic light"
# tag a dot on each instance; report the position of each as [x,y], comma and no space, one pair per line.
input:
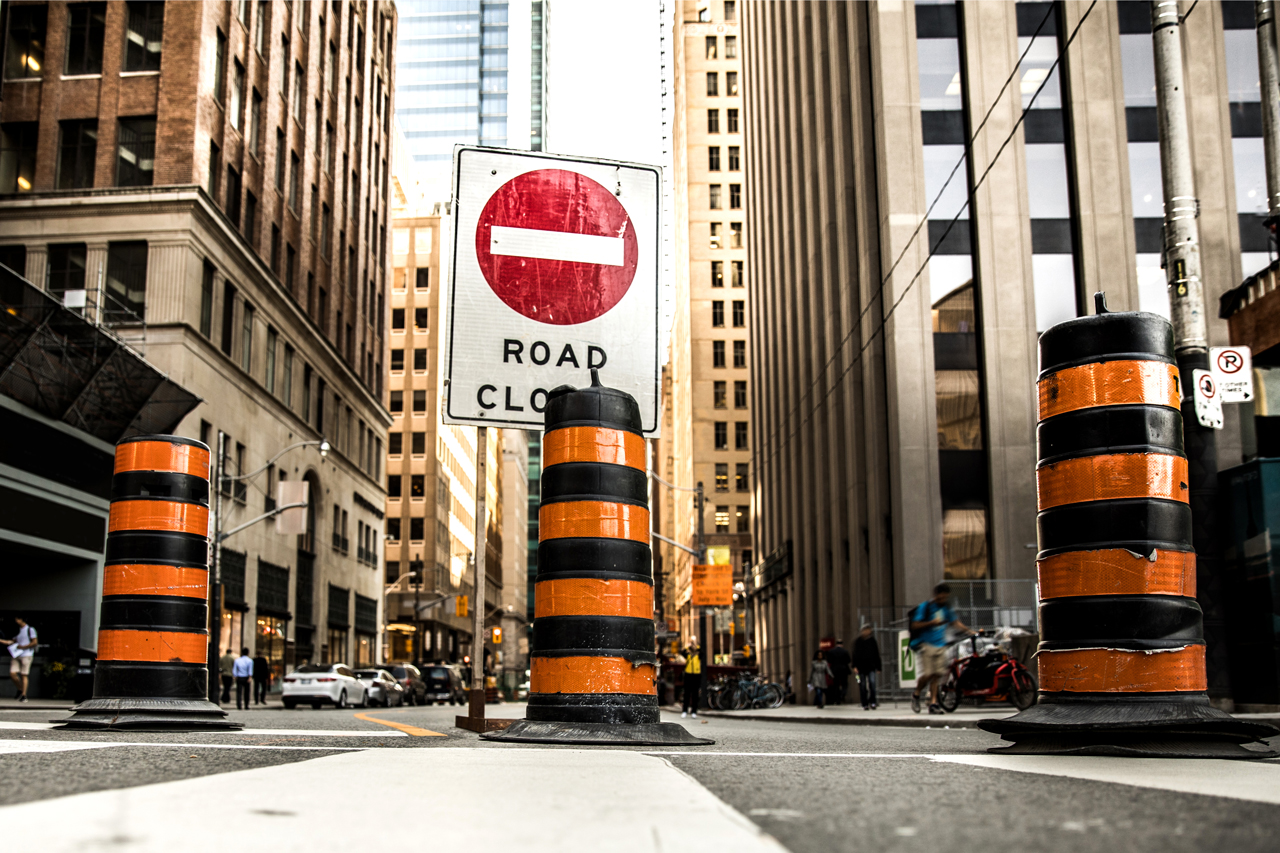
[461,608]
[497,636]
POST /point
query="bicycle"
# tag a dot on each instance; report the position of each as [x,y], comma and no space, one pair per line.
[992,676]
[753,692]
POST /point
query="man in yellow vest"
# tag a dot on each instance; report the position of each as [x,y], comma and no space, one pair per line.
[692,678]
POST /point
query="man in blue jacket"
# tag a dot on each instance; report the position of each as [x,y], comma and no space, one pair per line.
[929,622]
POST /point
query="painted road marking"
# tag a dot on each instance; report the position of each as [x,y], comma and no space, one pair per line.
[562,799]
[556,245]
[411,731]
[40,727]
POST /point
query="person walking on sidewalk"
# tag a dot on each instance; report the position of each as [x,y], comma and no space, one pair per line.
[261,679]
[819,678]
[929,622]
[22,650]
[692,678]
[226,668]
[866,663]
[838,658]
[242,669]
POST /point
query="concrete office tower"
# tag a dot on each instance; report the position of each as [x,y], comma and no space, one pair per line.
[431,467]
[466,79]
[894,404]
[210,180]
[709,441]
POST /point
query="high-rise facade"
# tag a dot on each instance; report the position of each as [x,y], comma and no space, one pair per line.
[932,185]
[210,180]
[709,395]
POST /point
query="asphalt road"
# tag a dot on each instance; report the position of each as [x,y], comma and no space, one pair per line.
[811,787]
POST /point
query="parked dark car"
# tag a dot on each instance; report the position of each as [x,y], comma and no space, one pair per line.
[410,678]
[443,684]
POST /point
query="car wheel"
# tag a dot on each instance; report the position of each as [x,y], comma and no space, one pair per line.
[364,700]
[342,700]
[290,704]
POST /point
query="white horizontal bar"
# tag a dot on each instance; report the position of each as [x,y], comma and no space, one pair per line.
[556,245]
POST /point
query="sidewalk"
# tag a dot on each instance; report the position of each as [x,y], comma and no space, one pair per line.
[886,715]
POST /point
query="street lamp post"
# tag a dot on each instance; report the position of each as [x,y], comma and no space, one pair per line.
[215,542]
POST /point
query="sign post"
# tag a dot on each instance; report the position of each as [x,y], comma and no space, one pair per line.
[1208,401]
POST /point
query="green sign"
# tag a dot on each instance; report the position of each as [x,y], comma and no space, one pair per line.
[906,661]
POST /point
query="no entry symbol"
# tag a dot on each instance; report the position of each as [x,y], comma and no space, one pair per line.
[1207,387]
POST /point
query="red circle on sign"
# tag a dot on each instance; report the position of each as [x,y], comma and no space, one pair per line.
[1207,387]
[1230,362]
[565,251]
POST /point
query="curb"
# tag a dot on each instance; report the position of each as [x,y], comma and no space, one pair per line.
[924,721]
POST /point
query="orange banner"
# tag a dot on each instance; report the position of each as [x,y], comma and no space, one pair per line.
[1115,571]
[1116,671]
[168,516]
[593,519]
[1109,383]
[592,597]
[712,586]
[162,456]
[591,675]
[593,444]
[127,579]
[1110,477]
[153,646]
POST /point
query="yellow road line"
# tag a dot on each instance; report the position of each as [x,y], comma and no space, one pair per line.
[414,731]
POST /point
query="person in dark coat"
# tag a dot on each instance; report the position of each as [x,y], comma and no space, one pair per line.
[839,660]
[866,663]
[261,679]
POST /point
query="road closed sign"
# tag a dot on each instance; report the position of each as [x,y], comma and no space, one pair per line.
[554,272]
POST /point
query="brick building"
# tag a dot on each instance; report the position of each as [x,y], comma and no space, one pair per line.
[210,180]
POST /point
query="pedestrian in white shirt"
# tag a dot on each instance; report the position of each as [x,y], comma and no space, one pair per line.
[243,671]
[22,649]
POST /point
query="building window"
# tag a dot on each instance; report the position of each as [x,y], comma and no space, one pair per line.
[228,315]
[421,318]
[286,391]
[713,158]
[713,121]
[419,402]
[237,95]
[251,218]
[67,263]
[740,394]
[215,169]
[717,353]
[740,435]
[299,92]
[18,143]
[717,273]
[418,487]
[733,121]
[742,479]
[731,83]
[86,26]
[395,442]
[126,283]
[735,235]
[730,47]
[393,532]
[415,529]
[420,360]
[393,486]
[284,76]
[397,359]
[306,392]
[711,48]
[735,196]
[397,402]
[713,84]
[246,339]
[419,444]
[275,248]
[717,314]
[295,179]
[735,278]
[273,338]
[231,201]
[744,519]
[290,265]
[24,53]
[255,124]
[739,354]
[713,196]
[720,394]
[715,234]
[397,319]
[144,37]
[739,314]
[279,159]
[260,34]
[704,14]
[206,300]
[76,154]
[220,68]
[721,429]
[735,158]
[730,10]
[722,519]
[722,476]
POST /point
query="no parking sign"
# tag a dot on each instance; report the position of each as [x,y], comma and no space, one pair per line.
[554,272]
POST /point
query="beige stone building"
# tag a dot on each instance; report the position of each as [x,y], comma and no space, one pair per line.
[709,442]
[894,327]
[209,179]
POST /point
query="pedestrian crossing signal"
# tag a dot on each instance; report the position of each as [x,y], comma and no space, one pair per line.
[497,636]
[461,609]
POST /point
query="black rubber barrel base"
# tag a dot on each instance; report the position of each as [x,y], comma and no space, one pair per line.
[614,709]
[150,715]
[596,734]
[1170,729]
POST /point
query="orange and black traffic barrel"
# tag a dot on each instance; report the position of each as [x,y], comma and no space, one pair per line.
[1121,655]
[153,638]
[593,664]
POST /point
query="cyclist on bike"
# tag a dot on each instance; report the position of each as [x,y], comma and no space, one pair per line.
[929,622]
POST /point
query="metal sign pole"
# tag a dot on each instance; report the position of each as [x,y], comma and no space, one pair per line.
[475,710]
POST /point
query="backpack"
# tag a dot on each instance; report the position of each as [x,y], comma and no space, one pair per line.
[925,613]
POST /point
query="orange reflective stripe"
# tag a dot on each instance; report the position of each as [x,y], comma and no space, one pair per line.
[170,516]
[1109,383]
[591,675]
[592,597]
[1115,571]
[593,444]
[1116,671]
[593,519]
[154,646]
[127,579]
[1112,476]
[162,456]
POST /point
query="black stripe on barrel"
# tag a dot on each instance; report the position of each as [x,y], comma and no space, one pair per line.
[155,613]
[1136,622]
[1139,525]
[576,481]
[1110,429]
[169,485]
[172,549]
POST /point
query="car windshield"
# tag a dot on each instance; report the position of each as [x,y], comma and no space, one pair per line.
[438,672]
[398,671]
[315,667]
[367,673]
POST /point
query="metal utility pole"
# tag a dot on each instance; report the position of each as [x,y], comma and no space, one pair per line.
[1190,331]
[476,704]
[1269,77]
[700,500]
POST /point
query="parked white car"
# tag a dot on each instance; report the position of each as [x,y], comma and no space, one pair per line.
[382,686]
[318,683]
